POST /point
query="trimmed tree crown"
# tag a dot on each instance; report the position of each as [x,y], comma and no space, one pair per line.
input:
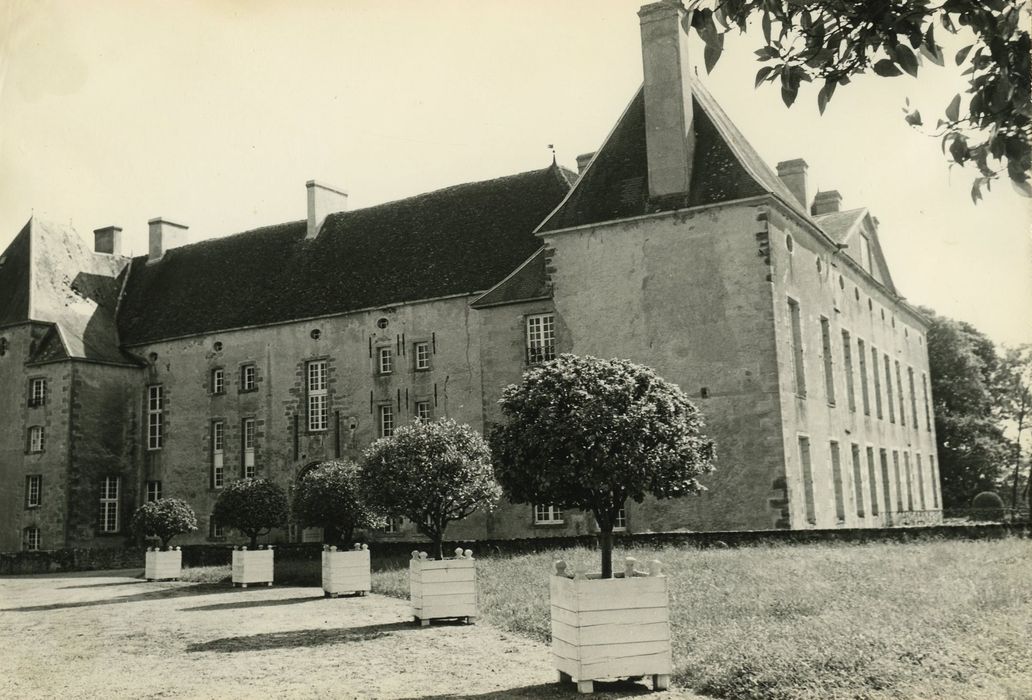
[252,506]
[164,518]
[328,496]
[431,472]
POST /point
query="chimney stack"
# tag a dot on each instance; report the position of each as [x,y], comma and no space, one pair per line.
[108,240]
[582,161]
[827,202]
[323,200]
[164,236]
[669,134]
[793,174]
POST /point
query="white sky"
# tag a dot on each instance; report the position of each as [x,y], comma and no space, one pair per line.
[215,113]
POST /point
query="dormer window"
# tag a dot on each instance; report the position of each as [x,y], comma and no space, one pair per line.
[865,253]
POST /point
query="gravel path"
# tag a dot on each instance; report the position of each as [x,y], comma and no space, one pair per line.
[111,635]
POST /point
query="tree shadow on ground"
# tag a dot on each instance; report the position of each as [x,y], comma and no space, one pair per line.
[174,592]
[301,638]
[127,582]
[255,603]
[603,689]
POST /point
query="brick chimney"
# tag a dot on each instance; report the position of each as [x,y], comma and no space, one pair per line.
[323,200]
[582,161]
[164,236]
[793,174]
[827,202]
[669,135]
[108,240]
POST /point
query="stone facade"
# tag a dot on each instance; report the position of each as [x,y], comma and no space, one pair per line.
[772,308]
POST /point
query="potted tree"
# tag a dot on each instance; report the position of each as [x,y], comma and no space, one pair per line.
[164,518]
[433,472]
[254,507]
[587,433]
[327,496]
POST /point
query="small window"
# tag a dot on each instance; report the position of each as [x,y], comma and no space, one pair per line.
[109,504]
[422,352]
[249,439]
[218,381]
[248,377]
[382,322]
[540,338]
[215,529]
[385,362]
[620,521]
[315,334]
[155,417]
[217,346]
[393,526]
[820,266]
[33,490]
[218,454]
[37,392]
[841,282]
[422,410]
[789,243]
[153,490]
[318,400]
[547,515]
[386,421]
[36,438]
[32,539]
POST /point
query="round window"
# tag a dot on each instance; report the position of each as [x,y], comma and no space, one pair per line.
[841,282]
[382,322]
[153,357]
[789,243]
[856,293]
[820,265]
[218,346]
[315,333]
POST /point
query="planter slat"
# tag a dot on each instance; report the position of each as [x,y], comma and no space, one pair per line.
[650,665]
[606,617]
[606,634]
[595,653]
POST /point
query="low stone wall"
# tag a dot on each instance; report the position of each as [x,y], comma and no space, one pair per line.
[221,554]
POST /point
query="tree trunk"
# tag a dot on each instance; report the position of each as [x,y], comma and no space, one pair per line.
[439,545]
[254,539]
[164,542]
[346,535]
[1017,464]
[605,539]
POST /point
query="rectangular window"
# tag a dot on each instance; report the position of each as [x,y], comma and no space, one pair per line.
[899,393]
[620,520]
[877,382]
[804,461]
[218,381]
[886,484]
[928,410]
[393,526]
[858,486]
[33,541]
[861,354]
[386,420]
[249,435]
[865,253]
[547,515]
[797,347]
[847,365]
[872,479]
[540,338]
[218,454]
[836,475]
[829,376]
[215,529]
[422,353]
[913,396]
[423,410]
[899,481]
[933,475]
[33,490]
[37,392]
[919,468]
[155,417]
[249,377]
[153,490]
[318,408]
[888,389]
[910,481]
[109,504]
[386,361]
[36,438]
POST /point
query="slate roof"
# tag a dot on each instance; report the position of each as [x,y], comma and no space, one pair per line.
[528,281]
[458,240]
[840,224]
[615,186]
[49,275]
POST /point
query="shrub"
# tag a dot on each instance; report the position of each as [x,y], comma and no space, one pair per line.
[164,518]
[328,496]
[252,506]
[987,506]
[587,433]
[431,472]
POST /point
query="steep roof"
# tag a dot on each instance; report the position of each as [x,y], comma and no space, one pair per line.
[841,224]
[615,185]
[528,281]
[53,277]
[842,227]
[458,240]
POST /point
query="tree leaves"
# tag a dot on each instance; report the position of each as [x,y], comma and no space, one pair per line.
[953,109]
[164,518]
[886,68]
[905,58]
[825,94]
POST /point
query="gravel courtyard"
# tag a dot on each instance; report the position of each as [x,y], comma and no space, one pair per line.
[109,634]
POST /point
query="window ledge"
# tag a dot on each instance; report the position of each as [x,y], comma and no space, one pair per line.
[247,391]
[550,523]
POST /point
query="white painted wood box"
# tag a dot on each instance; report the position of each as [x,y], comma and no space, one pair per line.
[159,565]
[346,571]
[611,628]
[252,566]
[446,588]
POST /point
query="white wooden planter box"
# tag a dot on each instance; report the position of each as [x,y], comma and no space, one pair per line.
[446,588]
[160,565]
[346,571]
[611,628]
[252,566]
